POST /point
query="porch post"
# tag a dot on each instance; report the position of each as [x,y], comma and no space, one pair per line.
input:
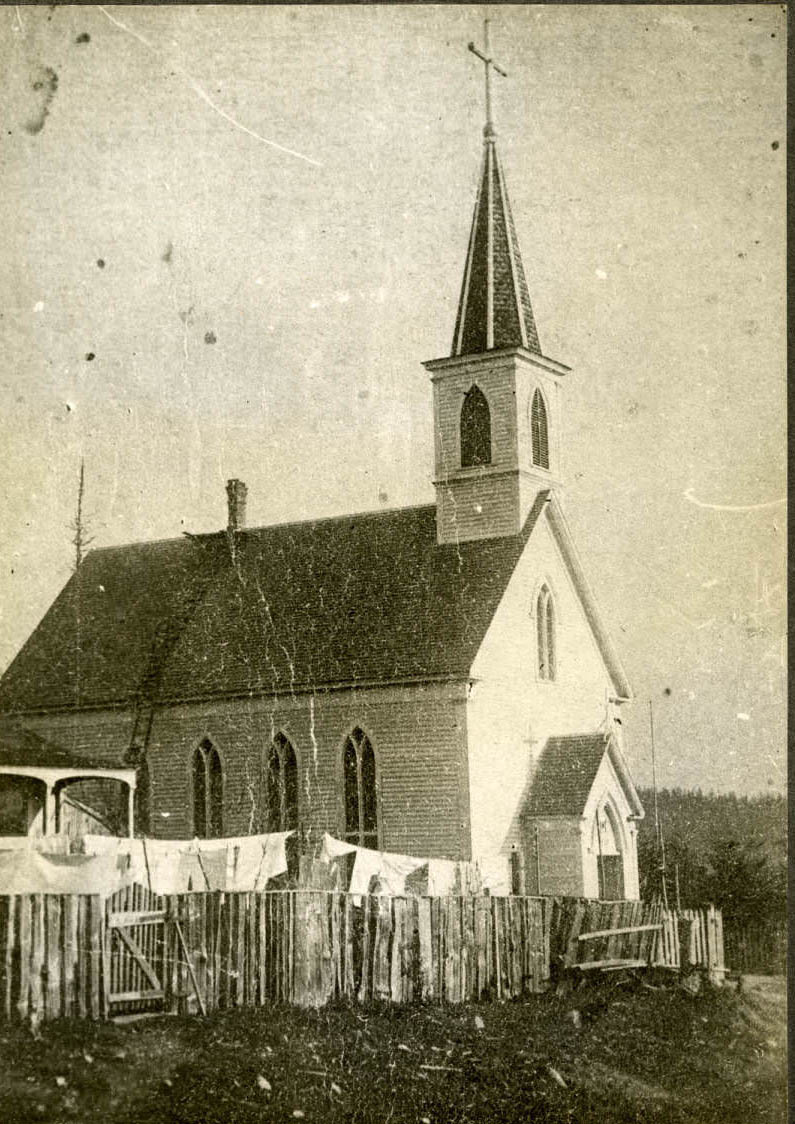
[49,824]
[130,810]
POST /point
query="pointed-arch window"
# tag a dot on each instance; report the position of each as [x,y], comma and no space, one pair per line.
[545,629]
[361,791]
[540,431]
[208,792]
[281,781]
[475,429]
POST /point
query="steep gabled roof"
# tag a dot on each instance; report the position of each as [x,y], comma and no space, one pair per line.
[494,309]
[566,773]
[367,598]
[107,634]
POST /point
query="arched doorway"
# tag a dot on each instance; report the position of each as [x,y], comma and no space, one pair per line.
[607,845]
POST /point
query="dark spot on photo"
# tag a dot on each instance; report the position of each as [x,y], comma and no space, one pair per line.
[101,263]
[774,145]
[209,337]
[667,691]
[89,356]
[44,84]
[166,255]
[83,37]
[363,394]
[383,496]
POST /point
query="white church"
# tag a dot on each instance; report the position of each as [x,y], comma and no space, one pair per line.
[435,681]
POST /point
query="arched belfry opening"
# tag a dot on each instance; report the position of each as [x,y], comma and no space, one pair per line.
[495,345]
[539,427]
[475,429]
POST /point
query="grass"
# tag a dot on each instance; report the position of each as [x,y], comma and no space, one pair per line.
[629,1054]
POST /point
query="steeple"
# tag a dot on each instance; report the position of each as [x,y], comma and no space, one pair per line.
[494,309]
[496,397]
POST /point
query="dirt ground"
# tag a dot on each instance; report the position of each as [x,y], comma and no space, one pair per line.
[619,1051]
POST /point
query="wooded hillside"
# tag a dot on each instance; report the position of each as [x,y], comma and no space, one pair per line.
[728,849]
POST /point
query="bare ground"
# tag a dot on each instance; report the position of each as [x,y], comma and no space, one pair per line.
[618,1051]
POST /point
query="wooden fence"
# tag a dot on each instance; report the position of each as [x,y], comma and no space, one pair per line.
[756,948]
[82,957]
[307,947]
[590,935]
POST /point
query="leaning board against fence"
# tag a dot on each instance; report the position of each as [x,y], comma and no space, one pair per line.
[595,935]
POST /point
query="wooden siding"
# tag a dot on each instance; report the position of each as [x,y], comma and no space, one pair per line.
[418,736]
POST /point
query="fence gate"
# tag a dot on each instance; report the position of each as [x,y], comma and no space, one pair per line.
[136,951]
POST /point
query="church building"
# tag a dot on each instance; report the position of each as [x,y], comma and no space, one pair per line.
[434,680]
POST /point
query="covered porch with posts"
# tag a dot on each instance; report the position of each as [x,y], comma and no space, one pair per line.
[33,795]
[36,777]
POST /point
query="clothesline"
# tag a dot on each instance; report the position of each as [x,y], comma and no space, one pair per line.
[104,864]
[384,872]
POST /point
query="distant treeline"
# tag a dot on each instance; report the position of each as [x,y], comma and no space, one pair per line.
[727,849]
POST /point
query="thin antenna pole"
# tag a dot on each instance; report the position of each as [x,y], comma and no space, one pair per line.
[80,540]
[657,829]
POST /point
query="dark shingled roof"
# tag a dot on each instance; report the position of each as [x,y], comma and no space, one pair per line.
[366,598]
[567,770]
[565,775]
[507,304]
[112,625]
[22,747]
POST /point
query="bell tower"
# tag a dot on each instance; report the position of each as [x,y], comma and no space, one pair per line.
[496,397]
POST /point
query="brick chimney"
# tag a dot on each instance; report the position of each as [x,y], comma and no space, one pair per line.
[236,492]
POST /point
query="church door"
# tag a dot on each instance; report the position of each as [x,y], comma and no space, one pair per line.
[606,842]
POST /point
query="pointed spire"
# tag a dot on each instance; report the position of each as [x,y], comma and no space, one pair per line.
[494,310]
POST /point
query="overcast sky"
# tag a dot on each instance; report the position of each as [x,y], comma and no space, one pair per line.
[182,301]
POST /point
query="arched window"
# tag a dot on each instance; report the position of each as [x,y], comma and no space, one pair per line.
[545,631]
[540,433]
[208,792]
[361,791]
[281,781]
[475,430]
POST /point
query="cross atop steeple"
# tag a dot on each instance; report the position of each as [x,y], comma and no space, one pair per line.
[488,65]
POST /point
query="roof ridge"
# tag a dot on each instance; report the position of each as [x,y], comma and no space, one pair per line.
[208,535]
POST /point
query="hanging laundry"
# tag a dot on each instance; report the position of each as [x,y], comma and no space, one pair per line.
[253,860]
[31,872]
[495,874]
